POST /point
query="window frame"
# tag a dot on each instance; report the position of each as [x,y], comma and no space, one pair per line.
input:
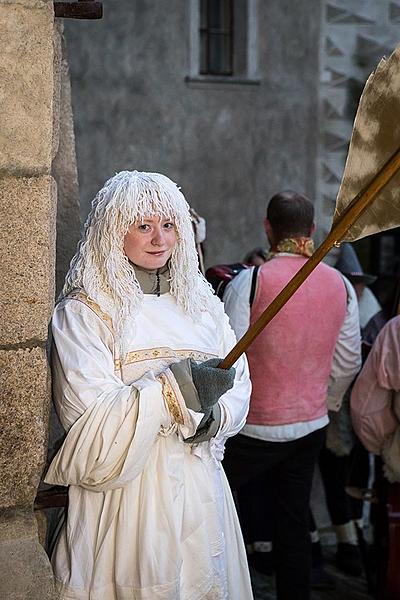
[250,76]
[207,32]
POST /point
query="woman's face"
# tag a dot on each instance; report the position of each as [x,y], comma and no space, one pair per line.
[149,243]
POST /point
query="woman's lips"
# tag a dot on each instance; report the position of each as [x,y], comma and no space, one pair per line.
[159,253]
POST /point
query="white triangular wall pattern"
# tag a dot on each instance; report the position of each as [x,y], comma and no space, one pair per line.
[355,34]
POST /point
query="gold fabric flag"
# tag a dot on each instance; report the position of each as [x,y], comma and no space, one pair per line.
[375,138]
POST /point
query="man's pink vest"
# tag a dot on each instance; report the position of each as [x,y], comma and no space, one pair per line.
[291,359]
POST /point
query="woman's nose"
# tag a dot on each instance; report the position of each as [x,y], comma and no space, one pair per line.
[158,237]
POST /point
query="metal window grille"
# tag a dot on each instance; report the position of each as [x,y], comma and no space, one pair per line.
[216,37]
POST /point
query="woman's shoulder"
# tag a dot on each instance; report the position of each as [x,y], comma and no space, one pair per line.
[79,303]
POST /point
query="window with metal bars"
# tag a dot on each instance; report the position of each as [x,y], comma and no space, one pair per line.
[216,37]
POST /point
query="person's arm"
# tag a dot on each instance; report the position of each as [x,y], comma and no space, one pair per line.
[346,361]
[372,412]
[111,427]
[237,302]
[391,455]
[235,403]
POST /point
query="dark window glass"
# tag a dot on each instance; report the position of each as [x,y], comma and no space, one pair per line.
[216,37]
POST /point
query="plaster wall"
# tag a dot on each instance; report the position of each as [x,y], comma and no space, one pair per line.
[230,146]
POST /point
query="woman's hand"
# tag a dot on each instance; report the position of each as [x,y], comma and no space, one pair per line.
[202,384]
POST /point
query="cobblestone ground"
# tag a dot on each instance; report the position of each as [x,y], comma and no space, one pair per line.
[346,587]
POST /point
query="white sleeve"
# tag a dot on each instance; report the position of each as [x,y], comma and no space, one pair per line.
[111,426]
[347,356]
[234,404]
[237,302]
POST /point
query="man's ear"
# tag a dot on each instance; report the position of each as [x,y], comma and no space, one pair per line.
[313,228]
[269,231]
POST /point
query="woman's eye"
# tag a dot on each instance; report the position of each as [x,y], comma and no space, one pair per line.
[169,225]
[144,227]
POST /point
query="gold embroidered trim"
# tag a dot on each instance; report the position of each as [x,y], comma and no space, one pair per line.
[171,400]
[161,354]
[82,297]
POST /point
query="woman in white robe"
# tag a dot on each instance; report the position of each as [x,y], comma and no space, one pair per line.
[150,515]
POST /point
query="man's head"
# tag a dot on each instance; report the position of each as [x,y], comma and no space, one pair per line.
[349,264]
[289,215]
[256,257]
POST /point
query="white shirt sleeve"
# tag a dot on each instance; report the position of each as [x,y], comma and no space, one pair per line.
[347,356]
[237,302]
[234,404]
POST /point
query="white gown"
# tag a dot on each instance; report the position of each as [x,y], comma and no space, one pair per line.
[150,517]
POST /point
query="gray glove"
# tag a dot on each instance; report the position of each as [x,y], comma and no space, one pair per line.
[210,382]
[201,385]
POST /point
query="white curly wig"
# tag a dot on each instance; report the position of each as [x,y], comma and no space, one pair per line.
[100,266]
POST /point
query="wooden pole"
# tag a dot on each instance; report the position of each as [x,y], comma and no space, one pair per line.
[355,209]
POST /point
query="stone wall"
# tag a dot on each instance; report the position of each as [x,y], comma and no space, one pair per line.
[64,171]
[29,67]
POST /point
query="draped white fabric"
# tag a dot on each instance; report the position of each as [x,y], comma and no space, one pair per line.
[149,516]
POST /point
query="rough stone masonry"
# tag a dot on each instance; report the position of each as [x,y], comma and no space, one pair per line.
[37,153]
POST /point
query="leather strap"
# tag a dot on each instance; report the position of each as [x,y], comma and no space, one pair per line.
[253,288]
